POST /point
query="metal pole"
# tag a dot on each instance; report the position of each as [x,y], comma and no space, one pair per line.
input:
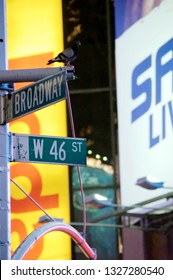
[31,75]
[5,229]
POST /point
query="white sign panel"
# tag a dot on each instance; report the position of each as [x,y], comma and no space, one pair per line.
[144,61]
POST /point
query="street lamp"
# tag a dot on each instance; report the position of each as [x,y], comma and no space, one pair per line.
[151,183]
[98,201]
[93,202]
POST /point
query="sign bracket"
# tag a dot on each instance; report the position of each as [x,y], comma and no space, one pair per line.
[2,109]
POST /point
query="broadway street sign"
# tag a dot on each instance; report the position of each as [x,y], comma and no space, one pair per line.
[45,149]
[35,96]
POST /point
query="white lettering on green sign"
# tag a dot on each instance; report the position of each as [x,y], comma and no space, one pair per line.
[37,95]
[57,150]
[38,147]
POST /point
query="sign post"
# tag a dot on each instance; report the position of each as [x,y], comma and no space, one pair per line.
[5,228]
[45,149]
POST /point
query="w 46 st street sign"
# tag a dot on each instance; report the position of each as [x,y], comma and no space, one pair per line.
[45,149]
[35,96]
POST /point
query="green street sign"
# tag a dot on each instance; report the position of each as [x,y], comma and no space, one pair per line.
[45,149]
[35,96]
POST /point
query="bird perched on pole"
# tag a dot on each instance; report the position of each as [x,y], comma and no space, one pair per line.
[67,55]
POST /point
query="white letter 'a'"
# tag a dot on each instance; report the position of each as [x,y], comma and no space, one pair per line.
[38,148]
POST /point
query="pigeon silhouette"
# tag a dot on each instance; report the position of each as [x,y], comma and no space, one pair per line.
[67,55]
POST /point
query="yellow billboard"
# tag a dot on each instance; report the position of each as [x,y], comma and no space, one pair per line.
[35,34]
